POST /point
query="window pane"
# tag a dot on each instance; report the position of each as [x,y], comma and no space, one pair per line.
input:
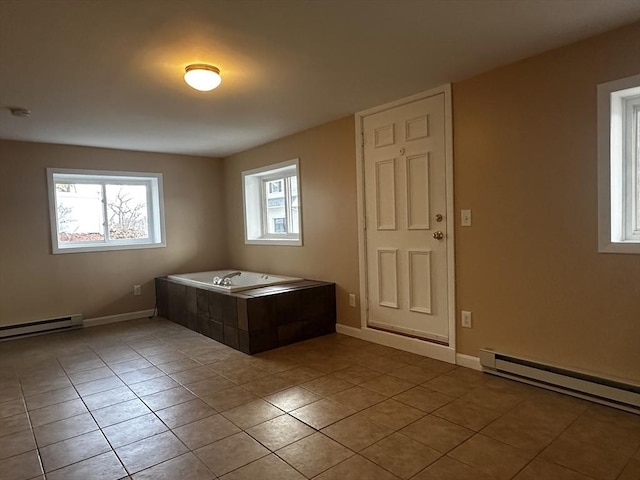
[276,216]
[80,215]
[293,202]
[637,166]
[127,211]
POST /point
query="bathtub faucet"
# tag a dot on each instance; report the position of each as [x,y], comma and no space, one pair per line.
[225,279]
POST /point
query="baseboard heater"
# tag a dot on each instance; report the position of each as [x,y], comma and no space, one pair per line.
[41,326]
[607,391]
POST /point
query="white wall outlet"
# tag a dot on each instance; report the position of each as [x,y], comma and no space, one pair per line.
[137,290]
[465,218]
[466,319]
[352,299]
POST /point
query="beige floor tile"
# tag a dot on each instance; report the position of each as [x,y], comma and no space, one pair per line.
[414,374]
[357,432]
[270,467]
[42,400]
[357,398]
[210,385]
[130,366]
[356,468]
[155,385]
[387,385]
[327,385]
[119,413]
[167,398]
[423,399]
[437,433]
[16,443]
[401,455]
[166,356]
[380,363]
[12,407]
[405,357]
[280,432]
[292,398]
[301,374]
[205,431]
[252,413]
[500,400]
[45,385]
[141,375]
[14,424]
[268,385]
[314,454]
[105,467]
[150,451]
[193,375]
[393,414]
[21,467]
[64,429]
[492,457]
[89,375]
[185,467]
[447,468]
[73,450]
[450,386]
[56,412]
[467,414]
[523,430]
[540,469]
[231,453]
[621,436]
[178,365]
[356,374]
[435,365]
[242,374]
[229,398]
[89,364]
[97,386]
[184,413]
[586,458]
[321,413]
[134,430]
[108,398]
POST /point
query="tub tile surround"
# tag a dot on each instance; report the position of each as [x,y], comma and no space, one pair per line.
[313,409]
[255,320]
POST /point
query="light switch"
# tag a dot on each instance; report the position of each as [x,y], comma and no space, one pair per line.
[465,218]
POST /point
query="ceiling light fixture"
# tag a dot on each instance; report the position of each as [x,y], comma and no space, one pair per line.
[202,77]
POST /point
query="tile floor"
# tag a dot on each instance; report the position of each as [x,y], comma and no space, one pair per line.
[148,399]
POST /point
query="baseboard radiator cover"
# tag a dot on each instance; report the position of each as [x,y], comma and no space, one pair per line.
[8,332]
[615,393]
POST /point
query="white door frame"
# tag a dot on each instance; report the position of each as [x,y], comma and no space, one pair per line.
[434,350]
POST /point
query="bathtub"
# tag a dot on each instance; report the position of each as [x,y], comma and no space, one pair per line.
[245,281]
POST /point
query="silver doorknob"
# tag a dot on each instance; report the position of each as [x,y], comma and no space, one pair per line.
[438,235]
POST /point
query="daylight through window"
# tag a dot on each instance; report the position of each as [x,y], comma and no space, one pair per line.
[272,204]
[93,211]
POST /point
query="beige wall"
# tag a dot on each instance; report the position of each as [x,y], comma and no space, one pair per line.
[35,284]
[525,163]
[329,211]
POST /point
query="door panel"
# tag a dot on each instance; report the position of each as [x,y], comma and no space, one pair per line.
[405,205]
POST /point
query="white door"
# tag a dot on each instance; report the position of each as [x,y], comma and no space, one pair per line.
[406,219]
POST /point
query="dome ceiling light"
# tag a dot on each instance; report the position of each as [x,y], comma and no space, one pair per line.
[202,77]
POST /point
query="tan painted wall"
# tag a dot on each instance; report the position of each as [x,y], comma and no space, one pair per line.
[328,180]
[525,163]
[35,284]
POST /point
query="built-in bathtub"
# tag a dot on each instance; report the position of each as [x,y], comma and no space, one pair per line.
[250,318]
[237,283]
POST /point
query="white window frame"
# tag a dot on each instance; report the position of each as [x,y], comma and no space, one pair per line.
[254,196]
[155,208]
[617,166]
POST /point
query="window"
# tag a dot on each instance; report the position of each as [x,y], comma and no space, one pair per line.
[619,166]
[94,210]
[272,205]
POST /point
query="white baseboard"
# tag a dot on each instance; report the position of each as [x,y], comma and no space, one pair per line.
[408,344]
[468,361]
[121,317]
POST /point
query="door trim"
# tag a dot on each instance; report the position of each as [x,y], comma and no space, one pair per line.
[441,352]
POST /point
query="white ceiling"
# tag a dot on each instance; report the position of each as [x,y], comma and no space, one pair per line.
[108,73]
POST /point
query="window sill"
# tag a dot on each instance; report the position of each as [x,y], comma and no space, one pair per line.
[106,248]
[291,242]
[632,248]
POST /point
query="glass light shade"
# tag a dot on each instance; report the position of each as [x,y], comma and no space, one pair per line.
[202,77]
